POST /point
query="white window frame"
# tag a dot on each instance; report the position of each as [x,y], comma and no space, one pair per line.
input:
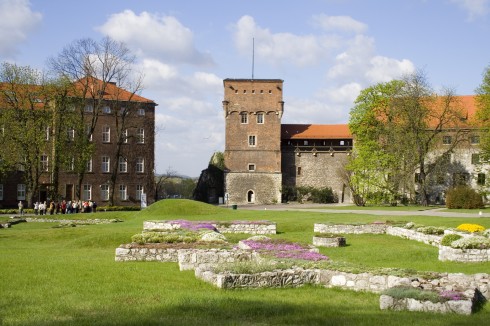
[106,134]
[106,164]
[140,135]
[71,134]
[104,192]
[123,165]
[252,141]
[89,108]
[260,118]
[86,191]
[89,165]
[141,112]
[244,118]
[140,190]
[87,132]
[123,192]
[44,160]
[251,167]
[21,191]
[106,109]
[125,136]
[140,165]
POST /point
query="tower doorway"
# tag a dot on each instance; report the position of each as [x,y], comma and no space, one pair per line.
[250,197]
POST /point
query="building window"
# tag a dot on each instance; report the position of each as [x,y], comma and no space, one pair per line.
[123,165]
[342,143]
[481,179]
[88,132]
[44,163]
[106,134]
[71,164]
[305,142]
[260,118]
[460,179]
[106,109]
[251,167]
[21,191]
[475,158]
[104,192]
[106,164]
[89,165]
[141,112]
[244,117]
[89,108]
[70,134]
[298,173]
[447,140]
[86,192]
[140,165]
[140,136]
[251,140]
[474,140]
[125,136]
[48,131]
[123,192]
[139,192]
[1,191]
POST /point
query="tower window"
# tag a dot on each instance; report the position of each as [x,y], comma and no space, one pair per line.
[251,140]
[243,117]
[251,167]
[260,118]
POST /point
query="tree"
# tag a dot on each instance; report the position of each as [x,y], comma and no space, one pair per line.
[483,112]
[25,119]
[94,68]
[398,128]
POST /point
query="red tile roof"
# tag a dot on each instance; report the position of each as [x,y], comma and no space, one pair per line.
[309,131]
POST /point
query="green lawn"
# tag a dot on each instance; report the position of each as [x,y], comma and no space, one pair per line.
[68,276]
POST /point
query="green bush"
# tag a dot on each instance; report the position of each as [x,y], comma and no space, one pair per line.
[463,197]
[402,292]
[317,195]
[431,230]
[162,237]
[449,238]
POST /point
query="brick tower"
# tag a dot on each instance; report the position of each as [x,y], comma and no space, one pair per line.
[253,110]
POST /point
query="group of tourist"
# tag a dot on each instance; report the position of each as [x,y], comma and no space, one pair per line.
[65,207]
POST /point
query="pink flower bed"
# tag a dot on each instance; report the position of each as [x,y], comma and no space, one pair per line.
[282,249]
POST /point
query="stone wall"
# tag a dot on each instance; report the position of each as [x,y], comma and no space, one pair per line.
[248,227]
[274,279]
[129,253]
[463,255]
[318,170]
[462,307]
[203,258]
[350,281]
[329,242]
[350,229]
[429,239]
[266,187]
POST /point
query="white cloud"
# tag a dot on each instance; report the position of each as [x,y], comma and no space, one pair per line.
[17,20]
[339,23]
[155,36]
[474,8]
[280,48]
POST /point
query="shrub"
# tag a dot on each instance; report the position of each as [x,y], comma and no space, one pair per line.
[474,242]
[463,197]
[251,267]
[449,238]
[402,292]
[470,227]
[162,237]
[431,230]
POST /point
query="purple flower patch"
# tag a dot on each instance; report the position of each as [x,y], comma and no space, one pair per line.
[195,226]
[282,249]
[452,295]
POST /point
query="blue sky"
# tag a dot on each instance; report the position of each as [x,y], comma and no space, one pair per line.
[326,51]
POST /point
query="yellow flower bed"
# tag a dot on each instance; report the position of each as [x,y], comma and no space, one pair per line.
[471,227]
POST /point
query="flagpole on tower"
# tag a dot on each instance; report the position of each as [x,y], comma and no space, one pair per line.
[253,56]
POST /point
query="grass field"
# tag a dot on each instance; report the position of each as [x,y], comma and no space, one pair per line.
[68,276]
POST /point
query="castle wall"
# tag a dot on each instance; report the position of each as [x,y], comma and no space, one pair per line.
[266,187]
[319,170]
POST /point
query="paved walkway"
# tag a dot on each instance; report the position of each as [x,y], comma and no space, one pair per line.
[440,212]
